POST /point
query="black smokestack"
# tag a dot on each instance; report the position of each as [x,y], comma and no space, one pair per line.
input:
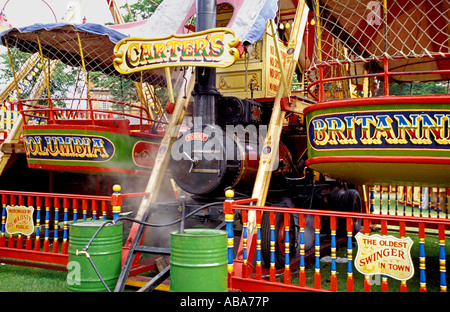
[205,91]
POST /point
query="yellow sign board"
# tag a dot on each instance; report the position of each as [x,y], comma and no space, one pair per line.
[19,220]
[274,72]
[210,48]
[385,255]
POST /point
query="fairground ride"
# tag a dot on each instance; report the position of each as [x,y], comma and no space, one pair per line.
[314,148]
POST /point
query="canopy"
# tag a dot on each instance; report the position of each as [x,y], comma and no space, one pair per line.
[59,41]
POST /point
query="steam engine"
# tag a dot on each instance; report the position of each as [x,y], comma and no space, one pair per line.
[207,159]
[223,147]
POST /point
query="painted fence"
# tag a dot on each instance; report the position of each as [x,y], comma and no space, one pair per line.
[308,272]
[413,201]
[52,213]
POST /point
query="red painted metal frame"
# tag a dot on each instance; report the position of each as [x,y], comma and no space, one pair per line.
[240,278]
[91,114]
[380,159]
[91,119]
[385,74]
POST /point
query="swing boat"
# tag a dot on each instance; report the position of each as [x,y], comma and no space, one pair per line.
[91,133]
[359,130]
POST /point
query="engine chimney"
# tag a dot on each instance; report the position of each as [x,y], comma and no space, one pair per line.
[205,91]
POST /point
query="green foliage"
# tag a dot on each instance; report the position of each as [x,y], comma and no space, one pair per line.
[140,10]
[120,89]
[418,88]
[15,278]
[63,78]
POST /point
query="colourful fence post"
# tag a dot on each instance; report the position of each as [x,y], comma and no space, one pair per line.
[349,255]
[19,236]
[317,252]
[333,277]
[75,209]
[372,198]
[272,246]
[56,226]
[2,234]
[229,220]
[420,202]
[366,277]
[396,200]
[381,199]
[104,210]
[389,201]
[442,264]
[301,274]
[287,247]
[47,224]
[384,280]
[12,202]
[84,207]
[94,209]
[37,240]
[258,269]
[28,241]
[65,244]
[116,201]
[405,198]
[438,203]
[402,233]
[244,242]
[422,276]
[446,202]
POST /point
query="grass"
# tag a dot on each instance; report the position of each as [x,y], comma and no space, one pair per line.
[17,278]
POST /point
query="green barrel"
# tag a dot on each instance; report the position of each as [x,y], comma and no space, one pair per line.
[198,261]
[105,252]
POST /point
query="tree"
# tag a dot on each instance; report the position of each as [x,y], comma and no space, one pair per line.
[140,10]
[418,88]
[62,78]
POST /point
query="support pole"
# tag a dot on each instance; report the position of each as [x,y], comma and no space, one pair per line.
[163,157]
[271,142]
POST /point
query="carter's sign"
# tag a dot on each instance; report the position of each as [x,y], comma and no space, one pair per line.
[209,48]
[381,129]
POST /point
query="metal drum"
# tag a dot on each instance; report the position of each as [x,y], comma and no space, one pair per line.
[198,261]
[105,252]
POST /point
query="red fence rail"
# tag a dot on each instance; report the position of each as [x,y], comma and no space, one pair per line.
[246,270]
[57,110]
[47,246]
